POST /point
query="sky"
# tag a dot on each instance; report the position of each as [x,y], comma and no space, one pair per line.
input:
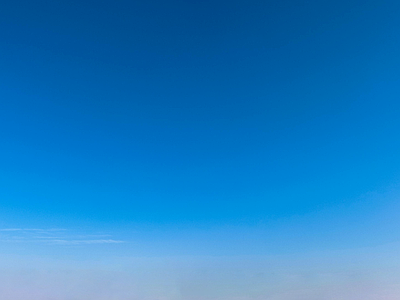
[170,150]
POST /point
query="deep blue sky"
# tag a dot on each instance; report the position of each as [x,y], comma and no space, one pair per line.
[188,113]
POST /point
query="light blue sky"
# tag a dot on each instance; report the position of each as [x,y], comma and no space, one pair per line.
[138,135]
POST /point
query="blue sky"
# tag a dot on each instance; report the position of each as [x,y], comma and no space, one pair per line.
[201,128]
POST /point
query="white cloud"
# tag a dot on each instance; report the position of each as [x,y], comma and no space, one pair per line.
[55,236]
[86,242]
[33,229]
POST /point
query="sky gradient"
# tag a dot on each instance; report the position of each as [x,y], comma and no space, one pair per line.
[199,150]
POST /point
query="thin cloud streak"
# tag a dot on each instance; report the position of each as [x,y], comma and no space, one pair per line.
[86,242]
[33,229]
[49,237]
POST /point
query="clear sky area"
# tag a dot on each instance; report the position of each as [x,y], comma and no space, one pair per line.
[193,150]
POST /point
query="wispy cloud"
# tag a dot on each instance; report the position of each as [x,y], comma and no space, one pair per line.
[33,229]
[54,236]
[86,242]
